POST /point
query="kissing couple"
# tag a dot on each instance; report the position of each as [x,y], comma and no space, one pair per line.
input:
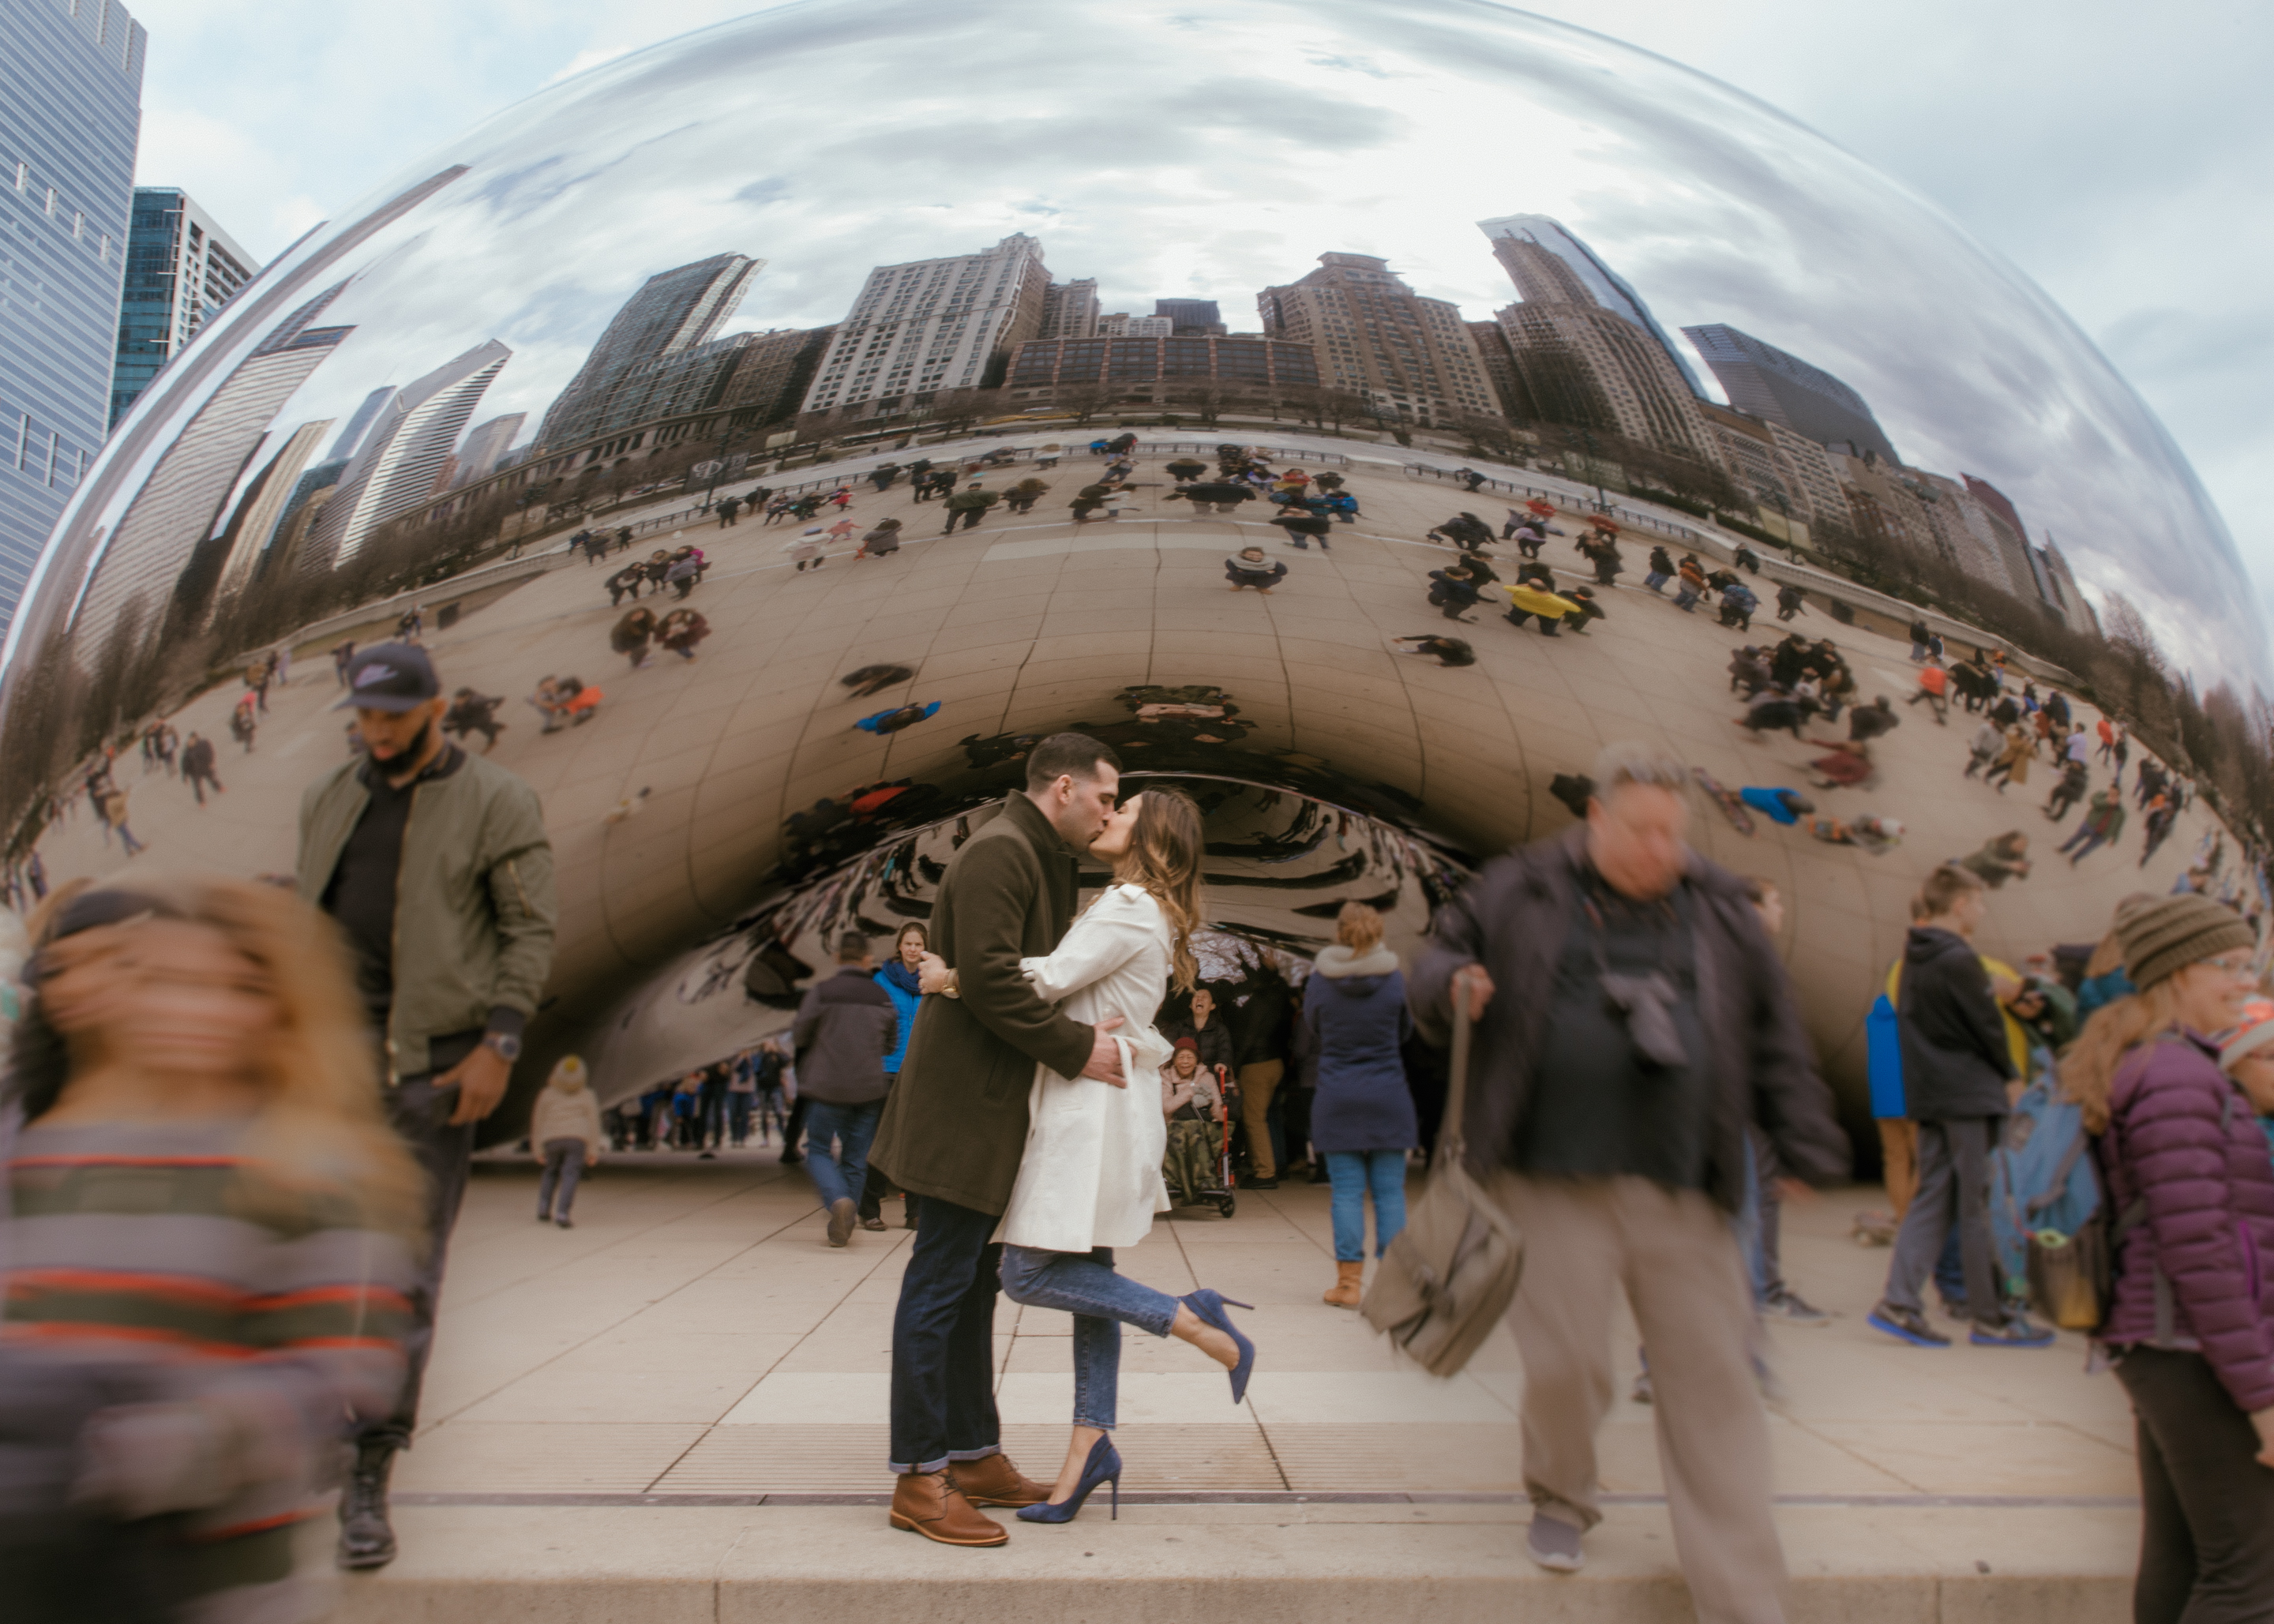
[1028,1121]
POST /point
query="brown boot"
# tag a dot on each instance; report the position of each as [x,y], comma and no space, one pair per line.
[1349,1285]
[929,1503]
[991,1480]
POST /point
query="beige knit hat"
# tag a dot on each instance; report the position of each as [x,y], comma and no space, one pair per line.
[2161,935]
[568,1074]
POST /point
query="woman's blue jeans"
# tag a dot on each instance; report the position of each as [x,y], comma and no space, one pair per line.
[1354,1173]
[1101,1301]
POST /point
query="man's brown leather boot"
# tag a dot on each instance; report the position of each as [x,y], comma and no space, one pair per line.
[991,1480]
[929,1503]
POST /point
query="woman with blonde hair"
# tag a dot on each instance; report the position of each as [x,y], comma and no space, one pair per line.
[1090,1178]
[565,1137]
[2191,1192]
[1362,1118]
[209,1231]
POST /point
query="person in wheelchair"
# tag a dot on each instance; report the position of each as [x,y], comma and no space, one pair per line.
[1192,1098]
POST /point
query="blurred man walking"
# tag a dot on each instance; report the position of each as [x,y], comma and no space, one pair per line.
[1642,1021]
[436,866]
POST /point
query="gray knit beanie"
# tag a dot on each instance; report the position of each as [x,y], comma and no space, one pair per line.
[2162,935]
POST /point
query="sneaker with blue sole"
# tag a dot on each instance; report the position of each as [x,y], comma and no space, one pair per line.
[2015,1332]
[1906,1324]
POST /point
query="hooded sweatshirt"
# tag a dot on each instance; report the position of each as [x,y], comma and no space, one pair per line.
[1354,1004]
[1956,1057]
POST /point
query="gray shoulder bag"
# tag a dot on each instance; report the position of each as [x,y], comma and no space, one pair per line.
[1450,1274]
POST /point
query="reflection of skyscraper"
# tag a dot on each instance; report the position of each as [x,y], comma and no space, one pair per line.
[162,552]
[395,469]
[264,505]
[1770,384]
[1588,350]
[350,439]
[71,106]
[1408,357]
[673,311]
[486,445]
[181,267]
[1191,317]
[1070,308]
[932,325]
[1551,266]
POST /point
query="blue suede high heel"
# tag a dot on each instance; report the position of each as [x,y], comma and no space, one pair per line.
[1210,1305]
[1103,1466]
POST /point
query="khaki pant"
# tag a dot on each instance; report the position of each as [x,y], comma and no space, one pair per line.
[1259,1080]
[1899,1157]
[1676,1255]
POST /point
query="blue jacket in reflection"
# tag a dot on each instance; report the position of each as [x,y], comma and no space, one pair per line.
[893,721]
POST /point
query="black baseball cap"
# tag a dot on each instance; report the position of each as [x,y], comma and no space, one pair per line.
[389,676]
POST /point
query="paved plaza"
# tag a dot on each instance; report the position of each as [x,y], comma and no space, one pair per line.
[683,1398]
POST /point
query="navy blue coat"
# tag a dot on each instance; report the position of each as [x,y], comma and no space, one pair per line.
[1362,1101]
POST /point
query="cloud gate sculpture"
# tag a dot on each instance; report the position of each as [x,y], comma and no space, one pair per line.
[1471,263]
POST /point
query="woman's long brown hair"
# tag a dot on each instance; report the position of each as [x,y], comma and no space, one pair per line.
[2088,1066]
[321,1130]
[1164,859]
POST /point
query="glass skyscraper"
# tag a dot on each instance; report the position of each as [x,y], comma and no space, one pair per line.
[71,112]
[180,268]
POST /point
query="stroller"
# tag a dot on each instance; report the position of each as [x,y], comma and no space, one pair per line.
[1197,1166]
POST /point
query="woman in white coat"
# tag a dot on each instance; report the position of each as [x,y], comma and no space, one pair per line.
[1090,1178]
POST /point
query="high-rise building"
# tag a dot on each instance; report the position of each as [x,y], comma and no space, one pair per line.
[395,470]
[771,374]
[70,110]
[2060,589]
[1070,308]
[1193,318]
[484,444]
[1501,371]
[1767,383]
[1593,368]
[673,311]
[1157,370]
[1121,324]
[350,439]
[931,325]
[262,509]
[164,556]
[1408,358]
[181,267]
[1550,265]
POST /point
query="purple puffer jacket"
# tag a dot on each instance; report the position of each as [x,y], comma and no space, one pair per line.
[2211,1213]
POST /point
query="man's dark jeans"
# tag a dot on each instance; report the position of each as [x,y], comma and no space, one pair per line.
[419,1113]
[1954,1192]
[943,1340]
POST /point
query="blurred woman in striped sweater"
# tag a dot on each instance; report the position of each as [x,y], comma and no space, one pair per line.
[205,1233]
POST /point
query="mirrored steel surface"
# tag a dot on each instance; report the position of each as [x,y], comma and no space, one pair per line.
[423,400]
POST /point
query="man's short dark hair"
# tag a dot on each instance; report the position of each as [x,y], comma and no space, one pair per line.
[1075,756]
[852,947]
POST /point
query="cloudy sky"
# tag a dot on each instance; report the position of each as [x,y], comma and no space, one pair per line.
[2094,153]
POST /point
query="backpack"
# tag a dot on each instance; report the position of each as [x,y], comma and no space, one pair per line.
[2044,1193]
[1884,1056]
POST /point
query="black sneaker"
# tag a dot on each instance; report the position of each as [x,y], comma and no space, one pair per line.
[2015,1332]
[1788,1305]
[1253,1182]
[1906,1324]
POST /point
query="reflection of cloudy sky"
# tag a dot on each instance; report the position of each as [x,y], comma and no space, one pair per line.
[1175,150]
